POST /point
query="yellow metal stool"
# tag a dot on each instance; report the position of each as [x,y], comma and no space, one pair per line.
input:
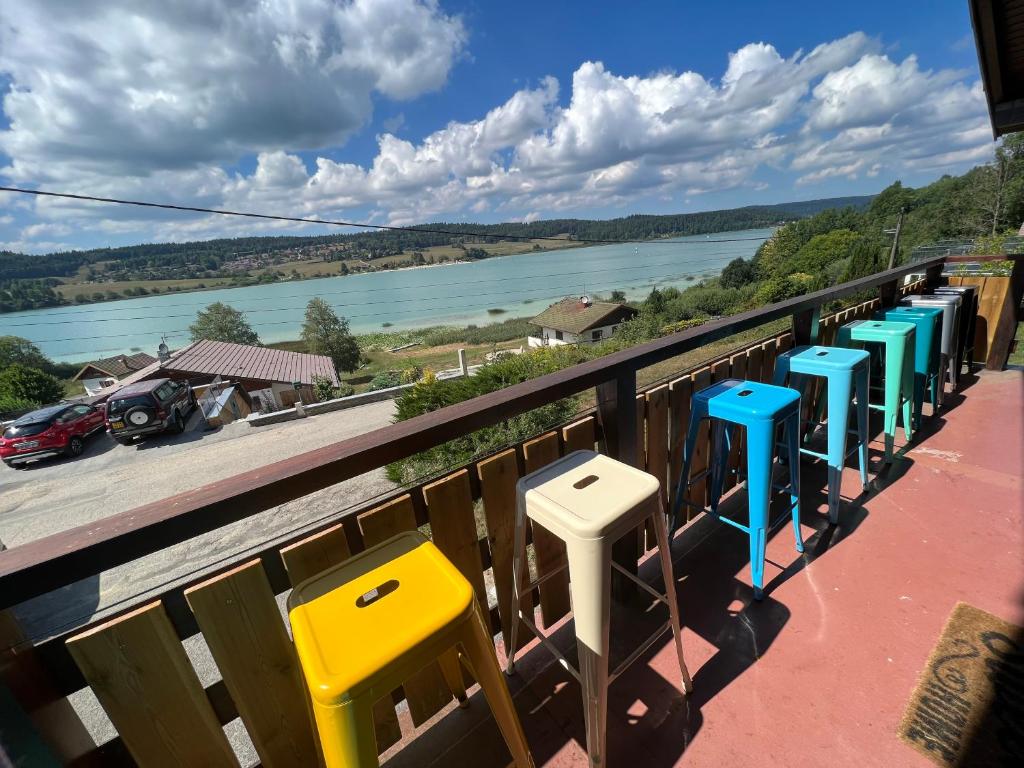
[364,626]
[590,501]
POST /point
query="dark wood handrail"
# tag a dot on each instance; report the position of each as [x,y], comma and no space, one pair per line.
[41,566]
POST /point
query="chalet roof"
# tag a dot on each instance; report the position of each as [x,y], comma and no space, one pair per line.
[572,315]
[241,361]
[233,361]
[119,365]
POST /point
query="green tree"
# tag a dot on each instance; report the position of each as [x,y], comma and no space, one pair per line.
[618,297]
[738,273]
[220,322]
[14,349]
[21,382]
[325,333]
[655,301]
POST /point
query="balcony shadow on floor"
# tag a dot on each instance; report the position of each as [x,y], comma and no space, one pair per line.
[650,722]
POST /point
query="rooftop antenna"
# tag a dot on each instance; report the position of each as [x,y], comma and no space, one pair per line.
[163,352]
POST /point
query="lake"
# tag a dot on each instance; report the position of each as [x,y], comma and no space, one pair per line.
[452,294]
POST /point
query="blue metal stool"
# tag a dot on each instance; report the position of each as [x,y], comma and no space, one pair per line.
[927,353]
[843,370]
[760,409]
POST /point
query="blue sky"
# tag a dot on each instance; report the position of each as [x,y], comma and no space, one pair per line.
[406,111]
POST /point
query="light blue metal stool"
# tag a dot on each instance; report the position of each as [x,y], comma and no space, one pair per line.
[844,370]
[760,409]
[927,353]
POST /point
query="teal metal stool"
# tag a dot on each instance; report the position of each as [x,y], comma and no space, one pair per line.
[927,353]
[760,409]
[895,341]
[844,371]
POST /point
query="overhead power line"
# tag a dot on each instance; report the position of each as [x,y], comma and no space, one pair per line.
[333,223]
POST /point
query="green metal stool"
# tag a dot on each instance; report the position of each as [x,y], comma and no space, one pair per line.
[928,372]
[895,340]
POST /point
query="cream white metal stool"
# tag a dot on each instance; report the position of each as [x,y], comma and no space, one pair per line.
[590,501]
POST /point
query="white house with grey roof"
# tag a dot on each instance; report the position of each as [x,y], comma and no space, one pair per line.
[578,320]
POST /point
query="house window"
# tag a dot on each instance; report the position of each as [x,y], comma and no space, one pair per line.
[595,335]
[558,335]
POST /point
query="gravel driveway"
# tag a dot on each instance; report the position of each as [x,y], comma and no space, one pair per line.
[51,496]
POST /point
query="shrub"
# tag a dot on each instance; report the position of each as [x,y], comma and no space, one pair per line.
[778,289]
[12,407]
[411,375]
[385,380]
[323,388]
[19,382]
[431,395]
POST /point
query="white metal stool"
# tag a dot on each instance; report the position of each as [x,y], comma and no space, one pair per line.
[590,501]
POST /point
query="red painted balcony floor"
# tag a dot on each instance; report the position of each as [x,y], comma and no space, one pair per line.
[819,672]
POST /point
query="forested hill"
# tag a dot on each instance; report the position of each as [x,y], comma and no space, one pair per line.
[211,254]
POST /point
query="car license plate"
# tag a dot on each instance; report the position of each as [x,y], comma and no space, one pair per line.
[117,425]
[26,446]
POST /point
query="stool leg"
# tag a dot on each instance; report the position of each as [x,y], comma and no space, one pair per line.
[476,640]
[355,743]
[684,475]
[452,674]
[520,576]
[665,553]
[719,460]
[760,435]
[938,387]
[590,573]
[862,378]
[893,386]
[920,380]
[793,444]
[907,386]
[839,396]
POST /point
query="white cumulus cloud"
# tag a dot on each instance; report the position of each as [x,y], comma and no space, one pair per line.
[165,101]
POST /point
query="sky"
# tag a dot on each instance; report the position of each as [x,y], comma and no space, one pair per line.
[409,111]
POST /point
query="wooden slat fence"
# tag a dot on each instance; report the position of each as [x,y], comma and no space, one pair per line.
[137,667]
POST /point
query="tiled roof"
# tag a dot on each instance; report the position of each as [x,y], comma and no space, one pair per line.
[119,365]
[573,316]
[241,361]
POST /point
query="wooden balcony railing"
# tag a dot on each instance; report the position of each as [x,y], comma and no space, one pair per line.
[159,705]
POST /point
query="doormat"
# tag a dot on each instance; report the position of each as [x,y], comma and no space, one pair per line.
[968,707]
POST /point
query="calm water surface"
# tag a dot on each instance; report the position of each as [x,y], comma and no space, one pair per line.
[454,294]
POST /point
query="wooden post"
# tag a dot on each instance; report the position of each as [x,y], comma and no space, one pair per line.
[29,683]
[933,275]
[806,327]
[616,409]
[887,293]
[896,241]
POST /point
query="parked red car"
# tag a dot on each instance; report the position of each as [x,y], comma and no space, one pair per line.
[56,429]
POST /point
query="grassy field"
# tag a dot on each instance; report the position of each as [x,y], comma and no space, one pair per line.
[70,290]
